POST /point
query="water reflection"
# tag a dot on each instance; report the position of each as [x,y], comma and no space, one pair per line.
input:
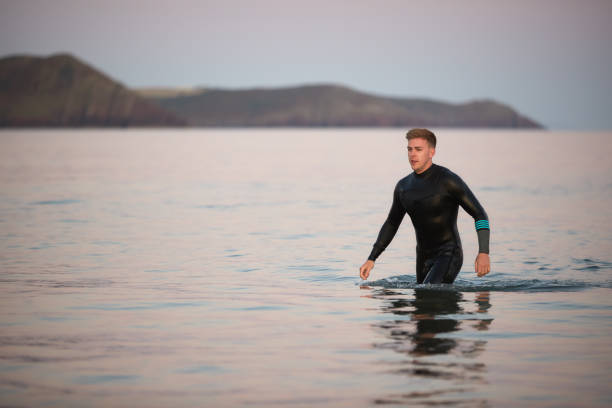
[442,364]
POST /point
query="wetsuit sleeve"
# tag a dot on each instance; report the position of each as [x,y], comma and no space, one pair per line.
[467,200]
[389,228]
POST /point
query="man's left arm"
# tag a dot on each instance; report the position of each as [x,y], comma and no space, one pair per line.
[470,204]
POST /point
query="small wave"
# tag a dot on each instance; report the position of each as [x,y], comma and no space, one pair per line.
[499,188]
[506,285]
[56,202]
[222,207]
[587,264]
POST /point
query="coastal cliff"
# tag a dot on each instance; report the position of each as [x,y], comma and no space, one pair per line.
[330,105]
[60,90]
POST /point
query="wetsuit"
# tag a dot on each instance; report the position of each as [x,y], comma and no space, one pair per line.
[432,201]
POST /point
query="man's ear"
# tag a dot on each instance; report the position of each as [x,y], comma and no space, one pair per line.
[432,151]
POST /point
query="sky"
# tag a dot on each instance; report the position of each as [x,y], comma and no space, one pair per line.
[549,59]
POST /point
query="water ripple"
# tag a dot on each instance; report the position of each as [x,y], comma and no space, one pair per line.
[506,285]
[56,202]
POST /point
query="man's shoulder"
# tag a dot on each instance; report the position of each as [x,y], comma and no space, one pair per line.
[404,181]
[446,172]
[450,180]
[442,169]
[406,178]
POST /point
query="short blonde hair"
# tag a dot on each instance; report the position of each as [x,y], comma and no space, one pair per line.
[422,134]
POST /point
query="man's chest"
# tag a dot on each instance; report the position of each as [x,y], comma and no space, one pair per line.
[426,199]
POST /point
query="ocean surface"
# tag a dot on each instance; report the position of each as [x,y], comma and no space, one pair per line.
[219,268]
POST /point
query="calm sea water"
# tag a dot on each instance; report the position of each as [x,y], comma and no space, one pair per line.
[219,268]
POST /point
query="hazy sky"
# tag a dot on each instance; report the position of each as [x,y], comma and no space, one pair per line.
[549,59]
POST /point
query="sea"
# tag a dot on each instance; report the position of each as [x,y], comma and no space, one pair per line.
[209,267]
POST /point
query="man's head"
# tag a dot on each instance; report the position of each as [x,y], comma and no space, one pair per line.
[421,149]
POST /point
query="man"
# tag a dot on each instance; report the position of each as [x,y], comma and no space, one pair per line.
[431,196]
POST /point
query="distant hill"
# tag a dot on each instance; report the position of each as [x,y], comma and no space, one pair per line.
[330,105]
[60,90]
[160,92]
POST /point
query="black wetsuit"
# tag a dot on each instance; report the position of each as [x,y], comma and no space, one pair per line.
[432,200]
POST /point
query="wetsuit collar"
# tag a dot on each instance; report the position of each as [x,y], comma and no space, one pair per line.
[426,172]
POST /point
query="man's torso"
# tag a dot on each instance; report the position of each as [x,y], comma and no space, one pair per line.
[429,201]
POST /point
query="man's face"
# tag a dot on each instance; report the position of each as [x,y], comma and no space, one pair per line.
[420,154]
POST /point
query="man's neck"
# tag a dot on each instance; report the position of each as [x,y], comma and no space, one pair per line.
[425,169]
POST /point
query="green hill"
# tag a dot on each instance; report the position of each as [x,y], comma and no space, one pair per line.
[332,105]
[62,91]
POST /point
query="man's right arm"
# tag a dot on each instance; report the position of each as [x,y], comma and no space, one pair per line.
[389,228]
[386,234]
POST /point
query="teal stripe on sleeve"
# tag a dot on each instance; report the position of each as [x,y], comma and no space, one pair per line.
[482,224]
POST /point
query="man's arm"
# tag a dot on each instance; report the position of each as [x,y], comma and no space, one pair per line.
[386,234]
[470,204]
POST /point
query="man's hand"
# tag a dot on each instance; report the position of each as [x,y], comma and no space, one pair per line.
[482,264]
[365,269]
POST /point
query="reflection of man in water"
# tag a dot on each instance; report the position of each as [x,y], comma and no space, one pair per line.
[434,315]
[431,196]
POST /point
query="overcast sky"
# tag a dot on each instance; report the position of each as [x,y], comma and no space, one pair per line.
[549,59]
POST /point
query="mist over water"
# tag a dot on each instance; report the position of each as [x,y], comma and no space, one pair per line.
[220,267]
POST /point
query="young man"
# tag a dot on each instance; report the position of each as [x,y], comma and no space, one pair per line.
[431,196]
